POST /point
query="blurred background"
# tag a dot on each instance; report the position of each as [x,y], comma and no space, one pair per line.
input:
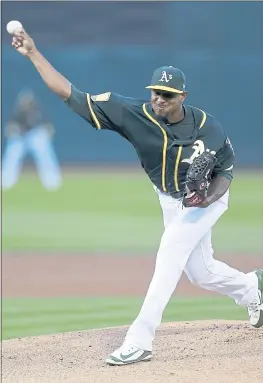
[80,221]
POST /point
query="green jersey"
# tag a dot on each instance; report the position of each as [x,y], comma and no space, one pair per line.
[165,150]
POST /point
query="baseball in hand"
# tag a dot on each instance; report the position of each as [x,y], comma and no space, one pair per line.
[12,26]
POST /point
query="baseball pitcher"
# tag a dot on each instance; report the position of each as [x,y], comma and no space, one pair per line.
[189,159]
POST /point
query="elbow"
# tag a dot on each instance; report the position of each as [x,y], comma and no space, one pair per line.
[64,92]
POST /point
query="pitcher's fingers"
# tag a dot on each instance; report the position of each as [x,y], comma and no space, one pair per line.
[19,32]
[17,40]
[16,45]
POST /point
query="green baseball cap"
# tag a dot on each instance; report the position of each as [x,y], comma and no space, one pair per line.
[168,78]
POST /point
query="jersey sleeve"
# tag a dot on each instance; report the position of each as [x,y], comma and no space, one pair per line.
[103,111]
[225,160]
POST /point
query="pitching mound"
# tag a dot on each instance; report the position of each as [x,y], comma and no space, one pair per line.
[199,352]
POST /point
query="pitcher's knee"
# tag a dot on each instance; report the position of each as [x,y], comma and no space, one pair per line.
[199,276]
[199,280]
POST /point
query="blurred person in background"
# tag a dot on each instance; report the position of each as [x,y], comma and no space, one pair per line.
[28,131]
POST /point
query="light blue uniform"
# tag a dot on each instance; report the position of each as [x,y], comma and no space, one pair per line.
[38,143]
[28,132]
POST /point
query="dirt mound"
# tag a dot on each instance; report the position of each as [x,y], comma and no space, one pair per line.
[199,352]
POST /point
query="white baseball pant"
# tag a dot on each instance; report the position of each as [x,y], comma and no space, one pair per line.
[186,246]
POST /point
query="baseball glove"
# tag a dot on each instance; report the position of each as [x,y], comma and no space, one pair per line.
[197,180]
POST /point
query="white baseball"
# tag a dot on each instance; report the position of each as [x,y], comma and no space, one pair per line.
[12,26]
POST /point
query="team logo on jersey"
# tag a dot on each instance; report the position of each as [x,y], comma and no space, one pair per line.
[166,77]
[101,97]
[199,148]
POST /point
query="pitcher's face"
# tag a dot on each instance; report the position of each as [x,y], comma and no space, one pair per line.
[166,103]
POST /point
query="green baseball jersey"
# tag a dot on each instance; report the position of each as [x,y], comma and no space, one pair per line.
[165,150]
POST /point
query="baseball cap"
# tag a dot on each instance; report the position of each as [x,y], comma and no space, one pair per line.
[168,78]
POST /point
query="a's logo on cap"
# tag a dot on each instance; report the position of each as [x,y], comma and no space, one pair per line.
[165,77]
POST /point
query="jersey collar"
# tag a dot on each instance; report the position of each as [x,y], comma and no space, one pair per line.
[189,117]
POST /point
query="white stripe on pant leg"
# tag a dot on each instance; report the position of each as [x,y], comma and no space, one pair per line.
[203,270]
[178,241]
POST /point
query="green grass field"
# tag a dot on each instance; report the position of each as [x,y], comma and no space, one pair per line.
[24,317]
[116,212]
[112,212]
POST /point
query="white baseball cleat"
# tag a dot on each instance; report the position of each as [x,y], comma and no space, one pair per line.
[255,308]
[128,354]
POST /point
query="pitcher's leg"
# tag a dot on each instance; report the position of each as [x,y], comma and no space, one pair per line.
[181,236]
[203,270]
[170,263]
[179,239]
